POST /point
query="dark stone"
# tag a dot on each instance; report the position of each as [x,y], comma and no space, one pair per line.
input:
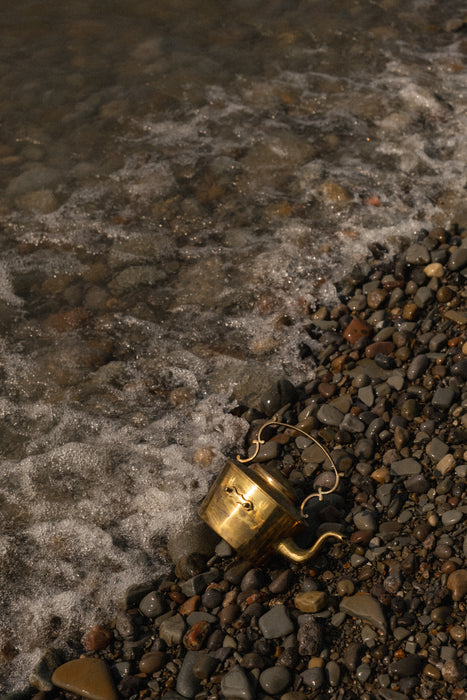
[410,665]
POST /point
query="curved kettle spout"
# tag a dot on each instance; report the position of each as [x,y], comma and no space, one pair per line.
[289,549]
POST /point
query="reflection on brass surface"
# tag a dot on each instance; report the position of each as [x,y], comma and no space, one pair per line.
[253,509]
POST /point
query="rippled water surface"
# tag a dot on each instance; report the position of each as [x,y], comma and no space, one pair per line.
[181,183]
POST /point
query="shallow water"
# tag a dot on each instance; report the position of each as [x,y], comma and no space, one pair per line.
[180,185]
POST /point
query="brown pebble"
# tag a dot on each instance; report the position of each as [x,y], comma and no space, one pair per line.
[410,310]
[457,584]
[97,638]
[357,329]
[383,347]
[152,661]
[361,536]
[444,294]
[327,389]
[448,567]
[432,672]
[228,614]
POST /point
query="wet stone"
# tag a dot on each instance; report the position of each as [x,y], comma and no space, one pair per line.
[329,415]
[436,449]
[204,666]
[352,424]
[88,677]
[417,367]
[275,680]
[187,683]
[235,685]
[153,604]
[458,259]
[417,254]
[313,678]
[357,329]
[172,630]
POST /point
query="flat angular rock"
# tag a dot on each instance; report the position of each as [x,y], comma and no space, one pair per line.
[236,685]
[87,677]
[366,608]
[276,623]
[406,467]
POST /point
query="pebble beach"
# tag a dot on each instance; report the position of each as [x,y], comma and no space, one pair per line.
[381,614]
[208,220]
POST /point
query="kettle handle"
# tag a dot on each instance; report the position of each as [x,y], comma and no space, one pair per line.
[292,551]
[320,493]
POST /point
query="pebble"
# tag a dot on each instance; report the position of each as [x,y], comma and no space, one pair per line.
[310,637]
[153,604]
[275,680]
[276,623]
[89,677]
[172,630]
[406,467]
[457,584]
[366,608]
[365,520]
[446,464]
[311,601]
[188,685]
[451,517]
[417,367]
[409,665]
[152,661]
[235,685]
[434,270]
[333,673]
[329,415]
[313,678]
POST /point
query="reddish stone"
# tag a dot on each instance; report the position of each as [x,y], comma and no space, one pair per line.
[355,330]
[383,347]
[326,389]
[197,635]
[361,536]
[177,596]
[190,605]
[97,638]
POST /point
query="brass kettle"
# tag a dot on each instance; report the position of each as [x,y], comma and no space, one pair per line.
[254,510]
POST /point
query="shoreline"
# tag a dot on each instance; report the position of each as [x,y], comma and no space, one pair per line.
[381,615]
